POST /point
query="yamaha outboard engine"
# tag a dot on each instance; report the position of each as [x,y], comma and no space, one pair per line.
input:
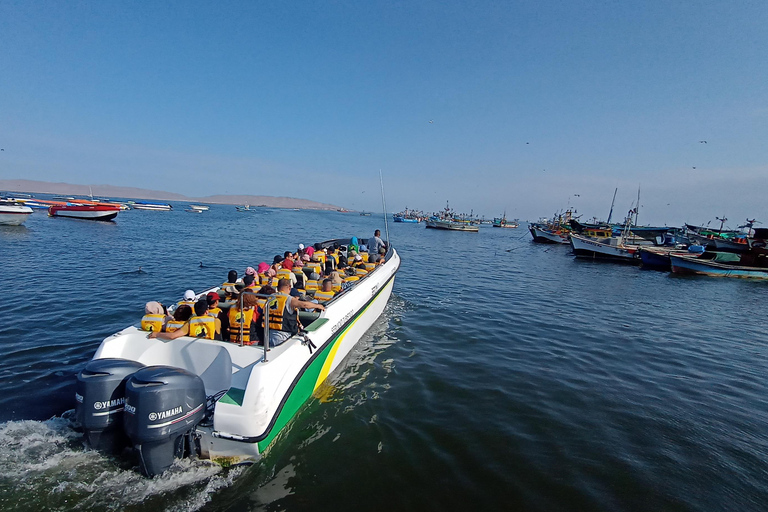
[100,395]
[163,405]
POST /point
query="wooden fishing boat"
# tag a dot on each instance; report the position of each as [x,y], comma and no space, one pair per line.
[543,235]
[719,264]
[451,225]
[223,401]
[658,258]
[84,211]
[610,248]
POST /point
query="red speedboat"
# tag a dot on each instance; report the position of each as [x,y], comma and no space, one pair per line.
[84,211]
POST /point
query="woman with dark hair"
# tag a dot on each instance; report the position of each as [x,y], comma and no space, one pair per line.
[177,327]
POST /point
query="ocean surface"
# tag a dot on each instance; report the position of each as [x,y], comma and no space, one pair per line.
[503,375]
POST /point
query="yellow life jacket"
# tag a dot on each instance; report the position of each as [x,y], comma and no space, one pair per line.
[320,256]
[315,267]
[174,325]
[190,303]
[152,323]
[360,271]
[370,266]
[279,319]
[224,285]
[351,279]
[364,255]
[214,312]
[238,318]
[202,327]
[311,286]
[322,296]
[263,279]
[284,273]
[336,288]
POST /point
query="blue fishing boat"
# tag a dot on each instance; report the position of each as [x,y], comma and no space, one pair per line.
[707,265]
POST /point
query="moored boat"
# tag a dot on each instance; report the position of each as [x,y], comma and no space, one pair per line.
[435,223]
[612,249]
[544,236]
[13,213]
[151,206]
[716,264]
[502,222]
[222,401]
[84,211]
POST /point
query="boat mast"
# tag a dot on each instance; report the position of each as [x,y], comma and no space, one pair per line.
[610,214]
[722,221]
[637,206]
[384,205]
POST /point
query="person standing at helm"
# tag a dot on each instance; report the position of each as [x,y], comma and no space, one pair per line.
[283,314]
[202,325]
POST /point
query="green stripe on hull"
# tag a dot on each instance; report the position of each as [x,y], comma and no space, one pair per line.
[306,384]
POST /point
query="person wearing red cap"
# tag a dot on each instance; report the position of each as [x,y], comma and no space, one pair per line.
[213,299]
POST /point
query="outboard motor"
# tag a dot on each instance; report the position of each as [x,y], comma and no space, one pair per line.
[163,405]
[100,395]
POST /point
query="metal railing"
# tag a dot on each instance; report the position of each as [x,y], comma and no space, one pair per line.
[271,299]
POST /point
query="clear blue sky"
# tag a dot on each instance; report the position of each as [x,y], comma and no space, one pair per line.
[531,102]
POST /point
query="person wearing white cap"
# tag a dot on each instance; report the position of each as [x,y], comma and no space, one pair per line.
[301,247]
[189,299]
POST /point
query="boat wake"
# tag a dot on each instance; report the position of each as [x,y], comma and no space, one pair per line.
[45,466]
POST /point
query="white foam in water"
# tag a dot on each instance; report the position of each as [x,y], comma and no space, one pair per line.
[44,465]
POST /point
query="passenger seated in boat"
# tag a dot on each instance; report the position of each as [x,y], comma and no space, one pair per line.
[286,272]
[247,319]
[249,283]
[213,299]
[326,292]
[202,325]
[177,327]
[353,245]
[359,266]
[283,314]
[381,258]
[231,280]
[155,317]
[189,299]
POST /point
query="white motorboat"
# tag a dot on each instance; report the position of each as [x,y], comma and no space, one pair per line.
[545,236]
[13,214]
[151,206]
[201,207]
[222,401]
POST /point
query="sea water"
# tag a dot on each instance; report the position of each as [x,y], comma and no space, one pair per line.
[503,375]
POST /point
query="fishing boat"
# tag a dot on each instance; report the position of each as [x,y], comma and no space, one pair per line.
[718,264]
[502,222]
[365,214]
[84,211]
[658,258]
[13,213]
[223,401]
[542,235]
[244,208]
[151,206]
[607,248]
[449,220]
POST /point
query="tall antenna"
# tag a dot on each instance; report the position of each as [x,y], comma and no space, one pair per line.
[610,214]
[384,205]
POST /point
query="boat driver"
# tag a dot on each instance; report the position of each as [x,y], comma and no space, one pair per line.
[283,314]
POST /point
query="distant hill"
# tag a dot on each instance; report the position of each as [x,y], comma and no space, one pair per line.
[109,191]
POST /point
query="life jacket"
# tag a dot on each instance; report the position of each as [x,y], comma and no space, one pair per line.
[152,323]
[364,255]
[263,279]
[214,312]
[174,325]
[225,285]
[316,267]
[190,303]
[350,279]
[360,271]
[280,319]
[370,266]
[202,327]
[336,288]
[322,296]
[236,318]
[311,286]
[284,273]
[320,255]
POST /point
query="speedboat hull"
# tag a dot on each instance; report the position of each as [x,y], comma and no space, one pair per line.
[13,214]
[255,393]
[86,212]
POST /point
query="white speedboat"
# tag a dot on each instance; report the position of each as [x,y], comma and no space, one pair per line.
[151,206]
[13,214]
[220,400]
[201,207]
